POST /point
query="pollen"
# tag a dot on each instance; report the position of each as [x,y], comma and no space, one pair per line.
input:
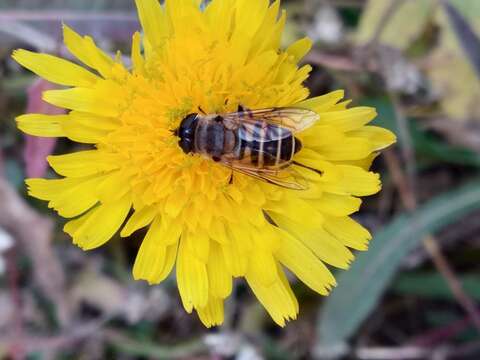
[211,227]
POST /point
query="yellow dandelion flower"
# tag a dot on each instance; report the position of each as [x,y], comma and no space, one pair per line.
[213,227]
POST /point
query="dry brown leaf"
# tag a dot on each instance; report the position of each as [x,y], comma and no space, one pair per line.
[98,290]
[452,75]
[402,29]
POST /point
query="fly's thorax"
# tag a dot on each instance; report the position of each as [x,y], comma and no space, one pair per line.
[212,138]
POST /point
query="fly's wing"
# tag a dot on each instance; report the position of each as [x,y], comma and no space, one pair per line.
[282,174]
[269,124]
[287,178]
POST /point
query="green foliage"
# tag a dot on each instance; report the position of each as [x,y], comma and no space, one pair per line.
[432,285]
[426,144]
[361,287]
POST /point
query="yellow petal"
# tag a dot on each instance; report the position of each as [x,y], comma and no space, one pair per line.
[69,197]
[312,159]
[46,189]
[299,49]
[322,103]
[379,137]
[100,225]
[303,263]
[217,232]
[97,101]
[212,313]
[94,121]
[354,181]
[262,267]
[172,229]
[278,299]
[258,69]
[248,18]
[349,149]
[84,49]
[176,202]
[297,209]
[365,163]
[351,233]
[320,136]
[348,120]
[137,59]
[220,16]
[337,205]
[42,125]
[275,35]
[82,133]
[198,244]
[55,69]
[152,261]
[88,128]
[83,163]
[322,244]
[114,186]
[192,279]
[241,237]
[268,31]
[343,105]
[237,249]
[153,21]
[139,219]
[160,274]
[220,280]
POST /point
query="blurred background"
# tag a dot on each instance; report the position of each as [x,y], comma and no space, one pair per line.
[414,295]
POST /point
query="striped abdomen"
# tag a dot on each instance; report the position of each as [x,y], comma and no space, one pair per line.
[247,147]
[266,153]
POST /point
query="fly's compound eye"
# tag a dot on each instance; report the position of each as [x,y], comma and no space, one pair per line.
[186,144]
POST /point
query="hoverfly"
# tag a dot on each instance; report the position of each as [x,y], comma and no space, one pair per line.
[258,143]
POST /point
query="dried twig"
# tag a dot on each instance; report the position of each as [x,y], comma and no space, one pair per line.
[334,62]
[442,264]
[33,343]
[395,169]
[152,350]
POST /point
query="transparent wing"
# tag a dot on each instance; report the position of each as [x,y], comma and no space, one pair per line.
[282,174]
[269,124]
[287,178]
